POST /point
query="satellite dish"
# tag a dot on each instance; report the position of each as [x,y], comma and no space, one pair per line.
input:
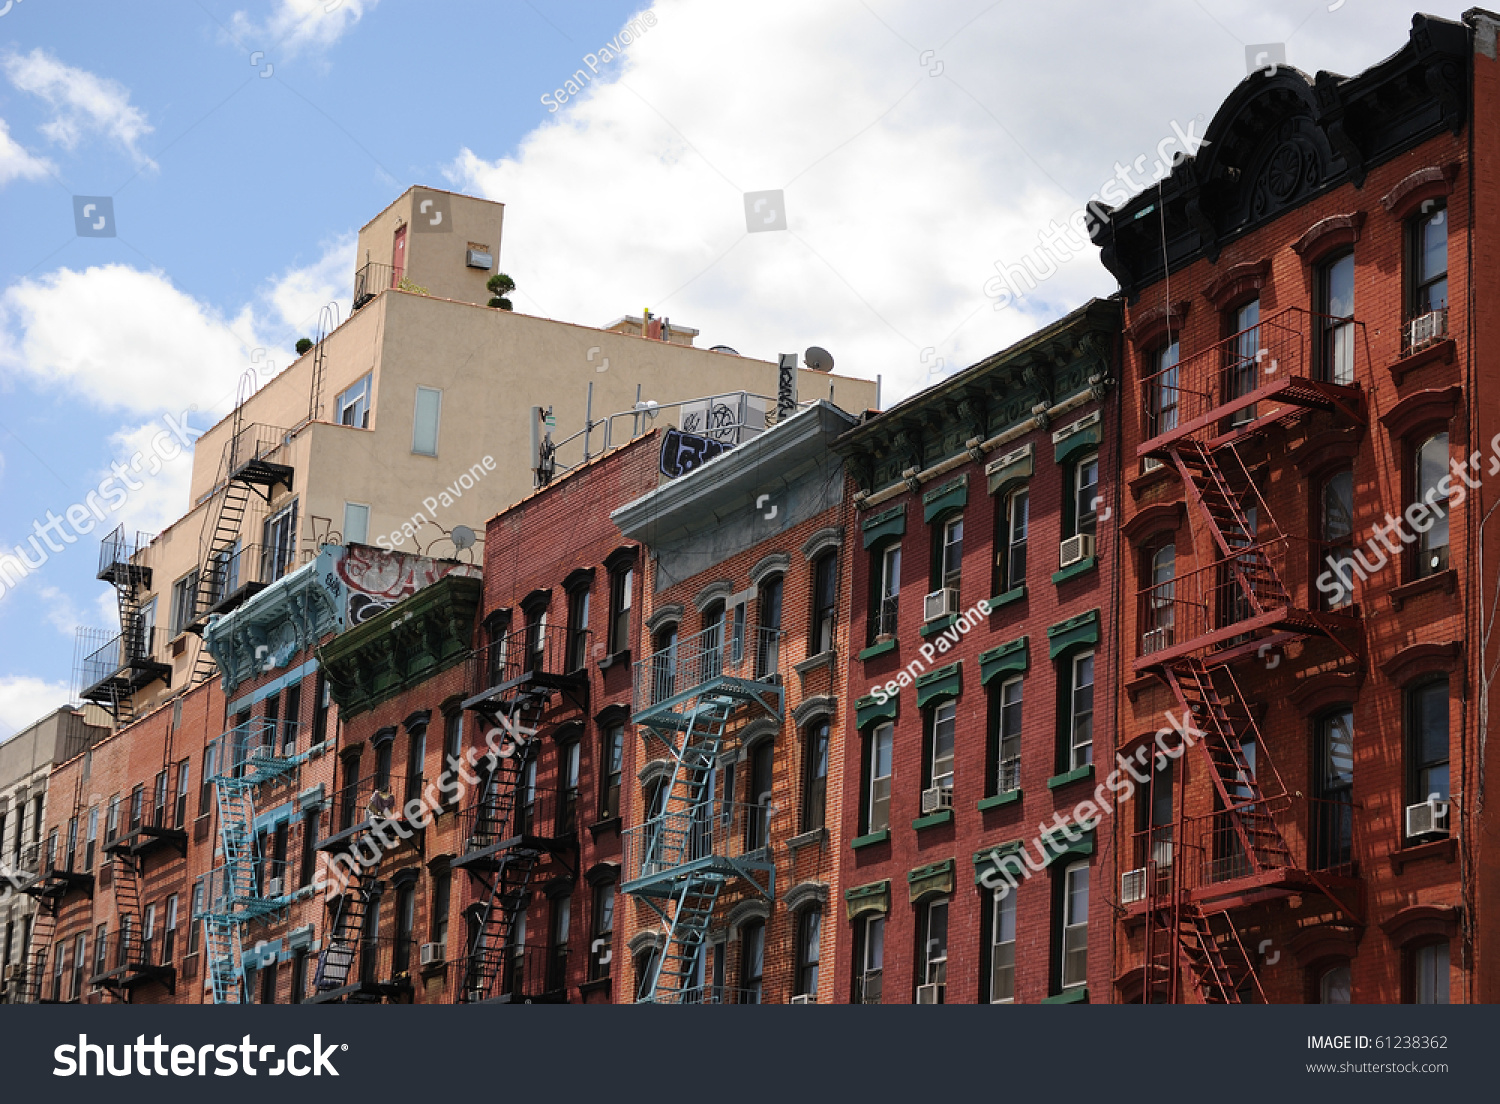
[818,359]
[462,537]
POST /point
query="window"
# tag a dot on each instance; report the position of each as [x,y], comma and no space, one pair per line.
[147,627]
[1163,395]
[1080,710]
[712,658]
[169,933]
[1005,707]
[1014,519]
[406,926]
[1333,810]
[1003,948]
[887,592]
[323,698]
[425,417]
[184,596]
[602,939]
[180,799]
[557,949]
[1336,510]
[148,933]
[1429,970]
[1429,263]
[932,951]
[815,775]
[1427,742]
[621,587]
[645,973]
[1244,361]
[161,798]
[101,949]
[1075,925]
[353,406]
[267,973]
[91,838]
[80,964]
[206,781]
[299,976]
[279,543]
[613,758]
[877,803]
[1334,985]
[195,920]
[869,959]
[1086,496]
[578,628]
[568,755]
[942,725]
[50,861]
[752,961]
[809,940]
[758,823]
[950,553]
[416,761]
[224,575]
[825,575]
[442,900]
[356,523]
[768,638]
[1335,289]
[1430,468]
[70,855]
[59,968]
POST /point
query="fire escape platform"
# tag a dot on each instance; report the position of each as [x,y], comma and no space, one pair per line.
[664,715]
[491,856]
[146,839]
[128,679]
[1297,393]
[666,882]
[1284,623]
[124,573]
[346,839]
[229,602]
[1271,885]
[363,992]
[262,473]
[53,885]
[124,979]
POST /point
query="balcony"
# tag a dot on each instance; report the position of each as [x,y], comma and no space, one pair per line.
[54,876]
[740,662]
[114,668]
[133,961]
[1289,362]
[117,564]
[247,890]
[371,279]
[708,994]
[531,974]
[544,819]
[161,826]
[364,971]
[1211,607]
[531,664]
[363,805]
[716,837]
[229,581]
[256,751]
[247,457]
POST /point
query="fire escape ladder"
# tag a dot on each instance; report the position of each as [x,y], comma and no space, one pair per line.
[687,935]
[1220,965]
[42,933]
[1212,699]
[228,519]
[492,948]
[127,880]
[346,932]
[221,928]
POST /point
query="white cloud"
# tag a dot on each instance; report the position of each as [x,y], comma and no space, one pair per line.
[61,612]
[81,102]
[25,700]
[16,162]
[296,25]
[162,497]
[298,294]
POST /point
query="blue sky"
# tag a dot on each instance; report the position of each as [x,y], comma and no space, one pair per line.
[919,146]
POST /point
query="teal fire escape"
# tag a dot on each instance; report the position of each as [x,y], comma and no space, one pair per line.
[245,887]
[696,841]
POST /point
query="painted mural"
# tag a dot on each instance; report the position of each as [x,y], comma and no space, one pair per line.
[364,581]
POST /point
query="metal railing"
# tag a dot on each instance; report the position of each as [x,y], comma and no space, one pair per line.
[711,994]
[868,986]
[255,749]
[253,442]
[715,829]
[537,651]
[884,622]
[115,551]
[131,952]
[541,811]
[245,888]
[358,960]
[107,657]
[717,652]
[1009,776]
[370,280]
[1288,344]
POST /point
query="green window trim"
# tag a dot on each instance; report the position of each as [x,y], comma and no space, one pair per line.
[865,899]
[1076,995]
[1065,850]
[942,624]
[887,523]
[1011,469]
[1072,633]
[869,709]
[950,496]
[1077,774]
[1075,570]
[989,859]
[1010,658]
[1009,797]
[932,820]
[878,649]
[940,683]
[871,839]
[930,880]
[1074,441]
[1015,594]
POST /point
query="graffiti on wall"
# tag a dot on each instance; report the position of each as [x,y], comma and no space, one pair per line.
[365,581]
[682,452]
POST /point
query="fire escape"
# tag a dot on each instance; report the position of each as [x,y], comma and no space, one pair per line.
[228,571]
[55,880]
[515,823]
[247,887]
[695,841]
[112,671]
[1259,843]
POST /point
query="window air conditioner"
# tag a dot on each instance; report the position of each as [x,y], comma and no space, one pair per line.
[936,798]
[929,994]
[431,954]
[1427,328]
[1154,640]
[940,603]
[804,998]
[273,887]
[262,751]
[1076,549]
[1430,818]
[1133,886]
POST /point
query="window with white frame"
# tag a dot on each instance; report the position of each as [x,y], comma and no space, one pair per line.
[940,742]
[1007,704]
[356,523]
[1017,519]
[1080,707]
[1086,496]
[932,953]
[352,407]
[878,778]
[1003,948]
[1075,925]
[869,960]
[950,553]
[425,418]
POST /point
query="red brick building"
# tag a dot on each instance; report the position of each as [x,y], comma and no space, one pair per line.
[1303,380]
[732,792]
[979,704]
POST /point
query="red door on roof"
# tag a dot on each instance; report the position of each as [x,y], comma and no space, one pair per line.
[398,256]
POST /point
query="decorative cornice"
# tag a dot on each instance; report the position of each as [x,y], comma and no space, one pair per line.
[290,615]
[1421,408]
[771,564]
[1418,660]
[1236,282]
[1432,182]
[1333,232]
[1162,517]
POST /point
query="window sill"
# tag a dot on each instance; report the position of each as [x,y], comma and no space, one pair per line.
[807,839]
[1015,594]
[1139,485]
[942,816]
[999,801]
[599,828]
[1439,351]
[812,663]
[1076,570]
[615,659]
[1069,996]
[1442,580]
[871,839]
[932,628]
[879,648]
[598,985]
[1416,852]
[1057,781]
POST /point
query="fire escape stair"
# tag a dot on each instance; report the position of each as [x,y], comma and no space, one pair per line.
[43,931]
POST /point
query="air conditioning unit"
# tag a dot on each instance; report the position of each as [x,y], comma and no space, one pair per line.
[936,798]
[430,954]
[1154,640]
[940,603]
[930,994]
[1430,818]
[262,751]
[1427,328]
[804,998]
[731,419]
[1133,886]
[15,972]
[273,887]
[1076,549]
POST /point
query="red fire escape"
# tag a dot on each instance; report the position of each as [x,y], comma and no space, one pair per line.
[1209,417]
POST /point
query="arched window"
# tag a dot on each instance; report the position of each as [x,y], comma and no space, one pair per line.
[768,629]
[809,952]
[1159,617]
[752,961]
[1334,985]
[664,663]
[1335,291]
[815,774]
